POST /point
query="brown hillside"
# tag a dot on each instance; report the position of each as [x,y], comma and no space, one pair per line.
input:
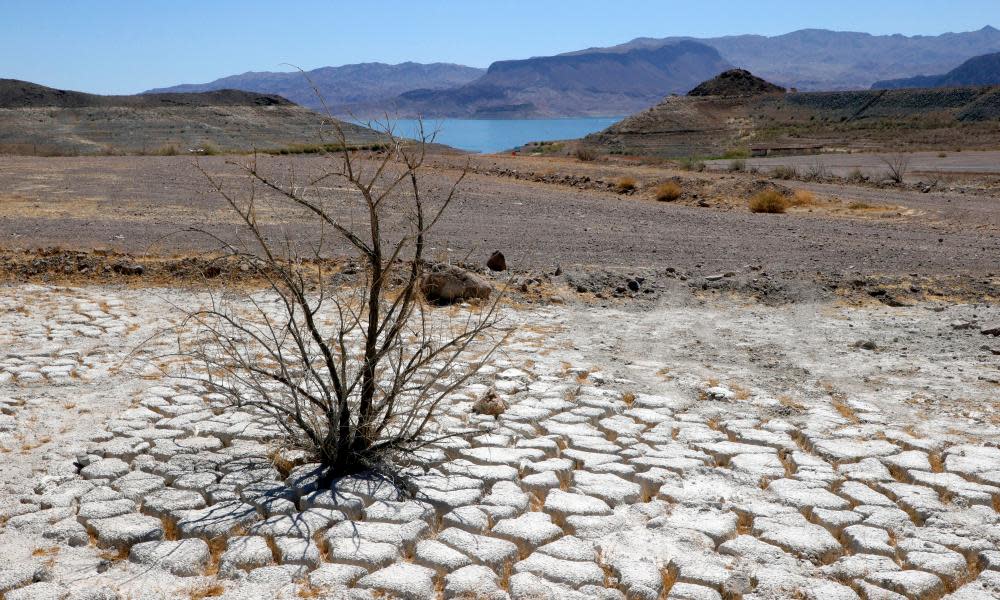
[863,120]
[35,119]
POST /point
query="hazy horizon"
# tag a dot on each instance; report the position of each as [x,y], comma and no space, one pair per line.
[117,47]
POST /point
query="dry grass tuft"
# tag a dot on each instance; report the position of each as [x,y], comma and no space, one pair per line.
[206,590]
[844,408]
[625,184]
[789,402]
[784,172]
[668,192]
[860,206]
[769,201]
[628,398]
[803,198]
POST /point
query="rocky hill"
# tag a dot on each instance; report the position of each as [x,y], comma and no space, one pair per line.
[346,88]
[981,70]
[736,82]
[710,125]
[35,119]
[818,59]
[588,84]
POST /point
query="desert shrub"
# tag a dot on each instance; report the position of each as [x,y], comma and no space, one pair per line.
[668,192]
[585,154]
[816,172]
[784,172]
[350,371]
[625,184]
[738,166]
[942,155]
[897,166]
[803,198]
[857,176]
[768,201]
[736,153]
[168,150]
[692,163]
[208,149]
[858,205]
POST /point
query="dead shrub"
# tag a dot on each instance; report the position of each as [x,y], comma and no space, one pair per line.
[352,374]
[668,192]
[625,184]
[897,165]
[857,176]
[585,154]
[769,201]
[784,172]
[803,198]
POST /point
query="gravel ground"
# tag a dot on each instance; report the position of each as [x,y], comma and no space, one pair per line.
[695,449]
[140,204]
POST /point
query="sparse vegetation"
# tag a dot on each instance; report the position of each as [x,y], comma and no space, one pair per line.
[668,191]
[784,172]
[738,166]
[858,205]
[585,154]
[208,149]
[736,153]
[897,165]
[816,172]
[857,176]
[769,201]
[350,375]
[168,150]
[625,184]
[803,198]
[329,148]
[691,163]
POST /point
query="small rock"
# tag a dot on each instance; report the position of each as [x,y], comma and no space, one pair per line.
[124,268]
[490,403]
[497,262]
[991,329]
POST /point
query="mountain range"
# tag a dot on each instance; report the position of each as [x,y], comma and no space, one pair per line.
[981,70]
[823,60]
[342,88]
[619,79]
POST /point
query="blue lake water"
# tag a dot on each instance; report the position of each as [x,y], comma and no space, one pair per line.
[495,135]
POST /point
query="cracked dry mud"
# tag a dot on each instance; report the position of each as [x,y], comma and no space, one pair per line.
[694,451]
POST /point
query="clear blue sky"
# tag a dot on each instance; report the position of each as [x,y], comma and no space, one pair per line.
[126,46]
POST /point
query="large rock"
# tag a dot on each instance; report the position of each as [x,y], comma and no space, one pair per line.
[449,284]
